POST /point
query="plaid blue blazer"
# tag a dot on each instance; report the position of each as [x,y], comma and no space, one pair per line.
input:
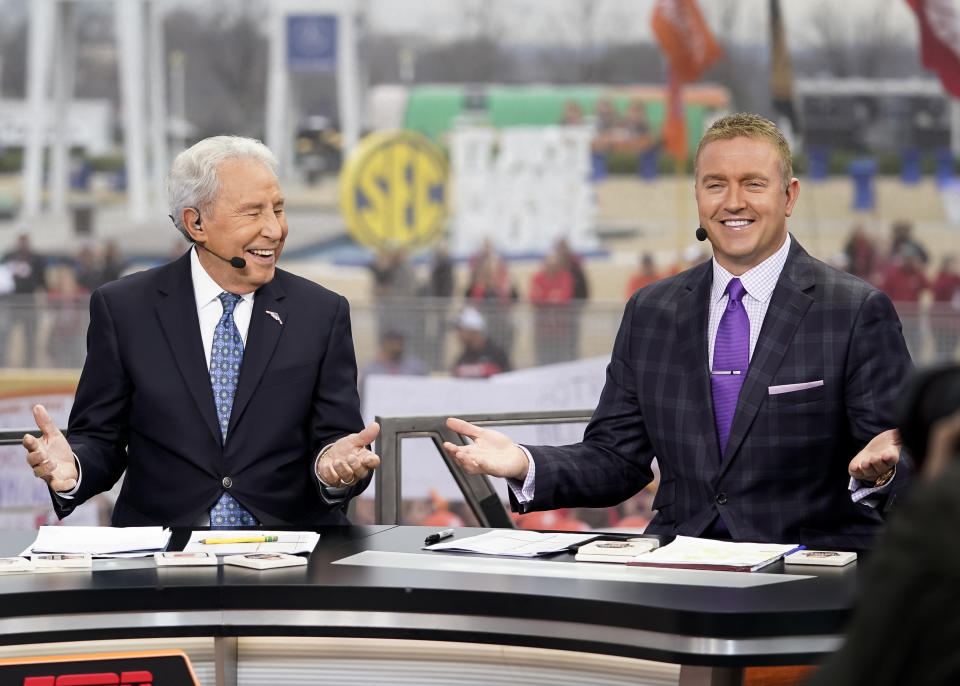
[783,476]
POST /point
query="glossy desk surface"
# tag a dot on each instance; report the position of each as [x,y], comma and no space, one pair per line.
[656,617]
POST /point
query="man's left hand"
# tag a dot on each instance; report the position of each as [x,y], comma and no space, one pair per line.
[348,460]
[879,456]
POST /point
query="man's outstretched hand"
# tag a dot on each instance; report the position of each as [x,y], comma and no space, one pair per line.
[50,455]
[490,453]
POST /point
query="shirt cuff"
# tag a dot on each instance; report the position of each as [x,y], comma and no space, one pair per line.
[68,495]
[523,491]
[862,492]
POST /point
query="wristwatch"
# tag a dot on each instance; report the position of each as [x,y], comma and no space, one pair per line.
[883,478]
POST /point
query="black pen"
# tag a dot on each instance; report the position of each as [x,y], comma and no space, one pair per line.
[438,536]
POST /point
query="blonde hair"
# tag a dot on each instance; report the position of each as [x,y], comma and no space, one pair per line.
[748,125]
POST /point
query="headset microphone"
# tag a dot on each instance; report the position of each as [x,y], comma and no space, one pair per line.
[701,233]
[235,262]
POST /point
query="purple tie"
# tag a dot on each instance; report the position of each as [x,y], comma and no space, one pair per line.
[731,356]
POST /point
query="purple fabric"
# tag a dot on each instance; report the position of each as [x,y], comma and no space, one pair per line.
[731,353]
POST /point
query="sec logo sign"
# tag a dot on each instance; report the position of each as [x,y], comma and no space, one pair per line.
[393,191]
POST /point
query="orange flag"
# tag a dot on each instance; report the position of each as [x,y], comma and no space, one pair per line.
[690,48]
[685,38]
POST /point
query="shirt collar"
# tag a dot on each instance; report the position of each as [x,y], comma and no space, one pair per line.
[205,289]
[758,281]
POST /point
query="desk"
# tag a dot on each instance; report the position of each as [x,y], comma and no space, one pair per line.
[712,632]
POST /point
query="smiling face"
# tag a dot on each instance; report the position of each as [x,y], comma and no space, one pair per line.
[245,220]
[742,202]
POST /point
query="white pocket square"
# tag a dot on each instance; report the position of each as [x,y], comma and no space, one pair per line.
[793,387]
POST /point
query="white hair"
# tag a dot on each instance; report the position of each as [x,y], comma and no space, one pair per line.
[193,179]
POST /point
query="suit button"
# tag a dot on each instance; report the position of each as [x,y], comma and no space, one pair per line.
[721,498]
[227,482]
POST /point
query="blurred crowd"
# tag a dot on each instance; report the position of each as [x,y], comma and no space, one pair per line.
[43,302]
[927,296]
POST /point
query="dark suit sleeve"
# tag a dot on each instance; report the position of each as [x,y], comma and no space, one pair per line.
[98,428]
[336,401]
[613,461]
[877,364]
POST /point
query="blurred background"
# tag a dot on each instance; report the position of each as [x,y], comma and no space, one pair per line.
[486,181]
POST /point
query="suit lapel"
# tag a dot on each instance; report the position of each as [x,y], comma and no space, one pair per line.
[788,305]
[692,316]
[177,312]
[262,339]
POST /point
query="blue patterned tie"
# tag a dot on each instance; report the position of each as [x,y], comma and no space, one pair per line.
[225,358]
[731,357]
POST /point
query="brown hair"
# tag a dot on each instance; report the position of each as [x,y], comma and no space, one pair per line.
[747,125]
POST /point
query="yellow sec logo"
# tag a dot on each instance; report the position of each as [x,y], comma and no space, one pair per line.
[393,190]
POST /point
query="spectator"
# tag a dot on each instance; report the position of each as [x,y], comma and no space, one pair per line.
[88,272]
[436,293]
[394,286]
[113,263]
[861,253]
[551,294]
[573,263]
[903,280]
[481,357]
[6,288]
[645,276]
[945,312]
[492,293]
[29,282]
[572,114]
[634,132]
[67,301]
[608,126]
[393,358]
[902,237]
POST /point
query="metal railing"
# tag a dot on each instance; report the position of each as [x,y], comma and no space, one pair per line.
[478,493]
[37,332]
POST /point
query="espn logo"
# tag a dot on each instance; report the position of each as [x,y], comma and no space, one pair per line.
[138,678]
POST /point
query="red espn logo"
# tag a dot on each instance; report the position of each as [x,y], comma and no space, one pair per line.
[139,678]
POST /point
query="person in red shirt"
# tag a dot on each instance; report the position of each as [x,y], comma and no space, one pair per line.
[904,281]
[945,311]
[551,294]
[645,276]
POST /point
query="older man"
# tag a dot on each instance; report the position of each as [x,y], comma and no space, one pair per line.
[224,388]
[759,380]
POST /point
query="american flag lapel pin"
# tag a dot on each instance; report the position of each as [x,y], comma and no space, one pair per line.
[275,316]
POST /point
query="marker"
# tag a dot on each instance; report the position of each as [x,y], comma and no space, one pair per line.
[248,539]
[438,536]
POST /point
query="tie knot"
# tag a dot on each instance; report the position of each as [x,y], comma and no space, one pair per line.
[229,301]
[735,290]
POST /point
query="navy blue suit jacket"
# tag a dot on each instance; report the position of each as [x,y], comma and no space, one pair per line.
[783,476]
[144,405]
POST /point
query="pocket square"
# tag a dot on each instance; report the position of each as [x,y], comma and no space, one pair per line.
[793,387]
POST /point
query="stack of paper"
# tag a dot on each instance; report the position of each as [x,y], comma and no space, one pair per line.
[615,551]
[240,541]
[100,541]
[686,552]
[513,543]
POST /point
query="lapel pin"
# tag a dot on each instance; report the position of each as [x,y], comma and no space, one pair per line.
[275,316]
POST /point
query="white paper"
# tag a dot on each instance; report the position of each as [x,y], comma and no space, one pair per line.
[512,543]
[704,551]
[291,542]
[100,541]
